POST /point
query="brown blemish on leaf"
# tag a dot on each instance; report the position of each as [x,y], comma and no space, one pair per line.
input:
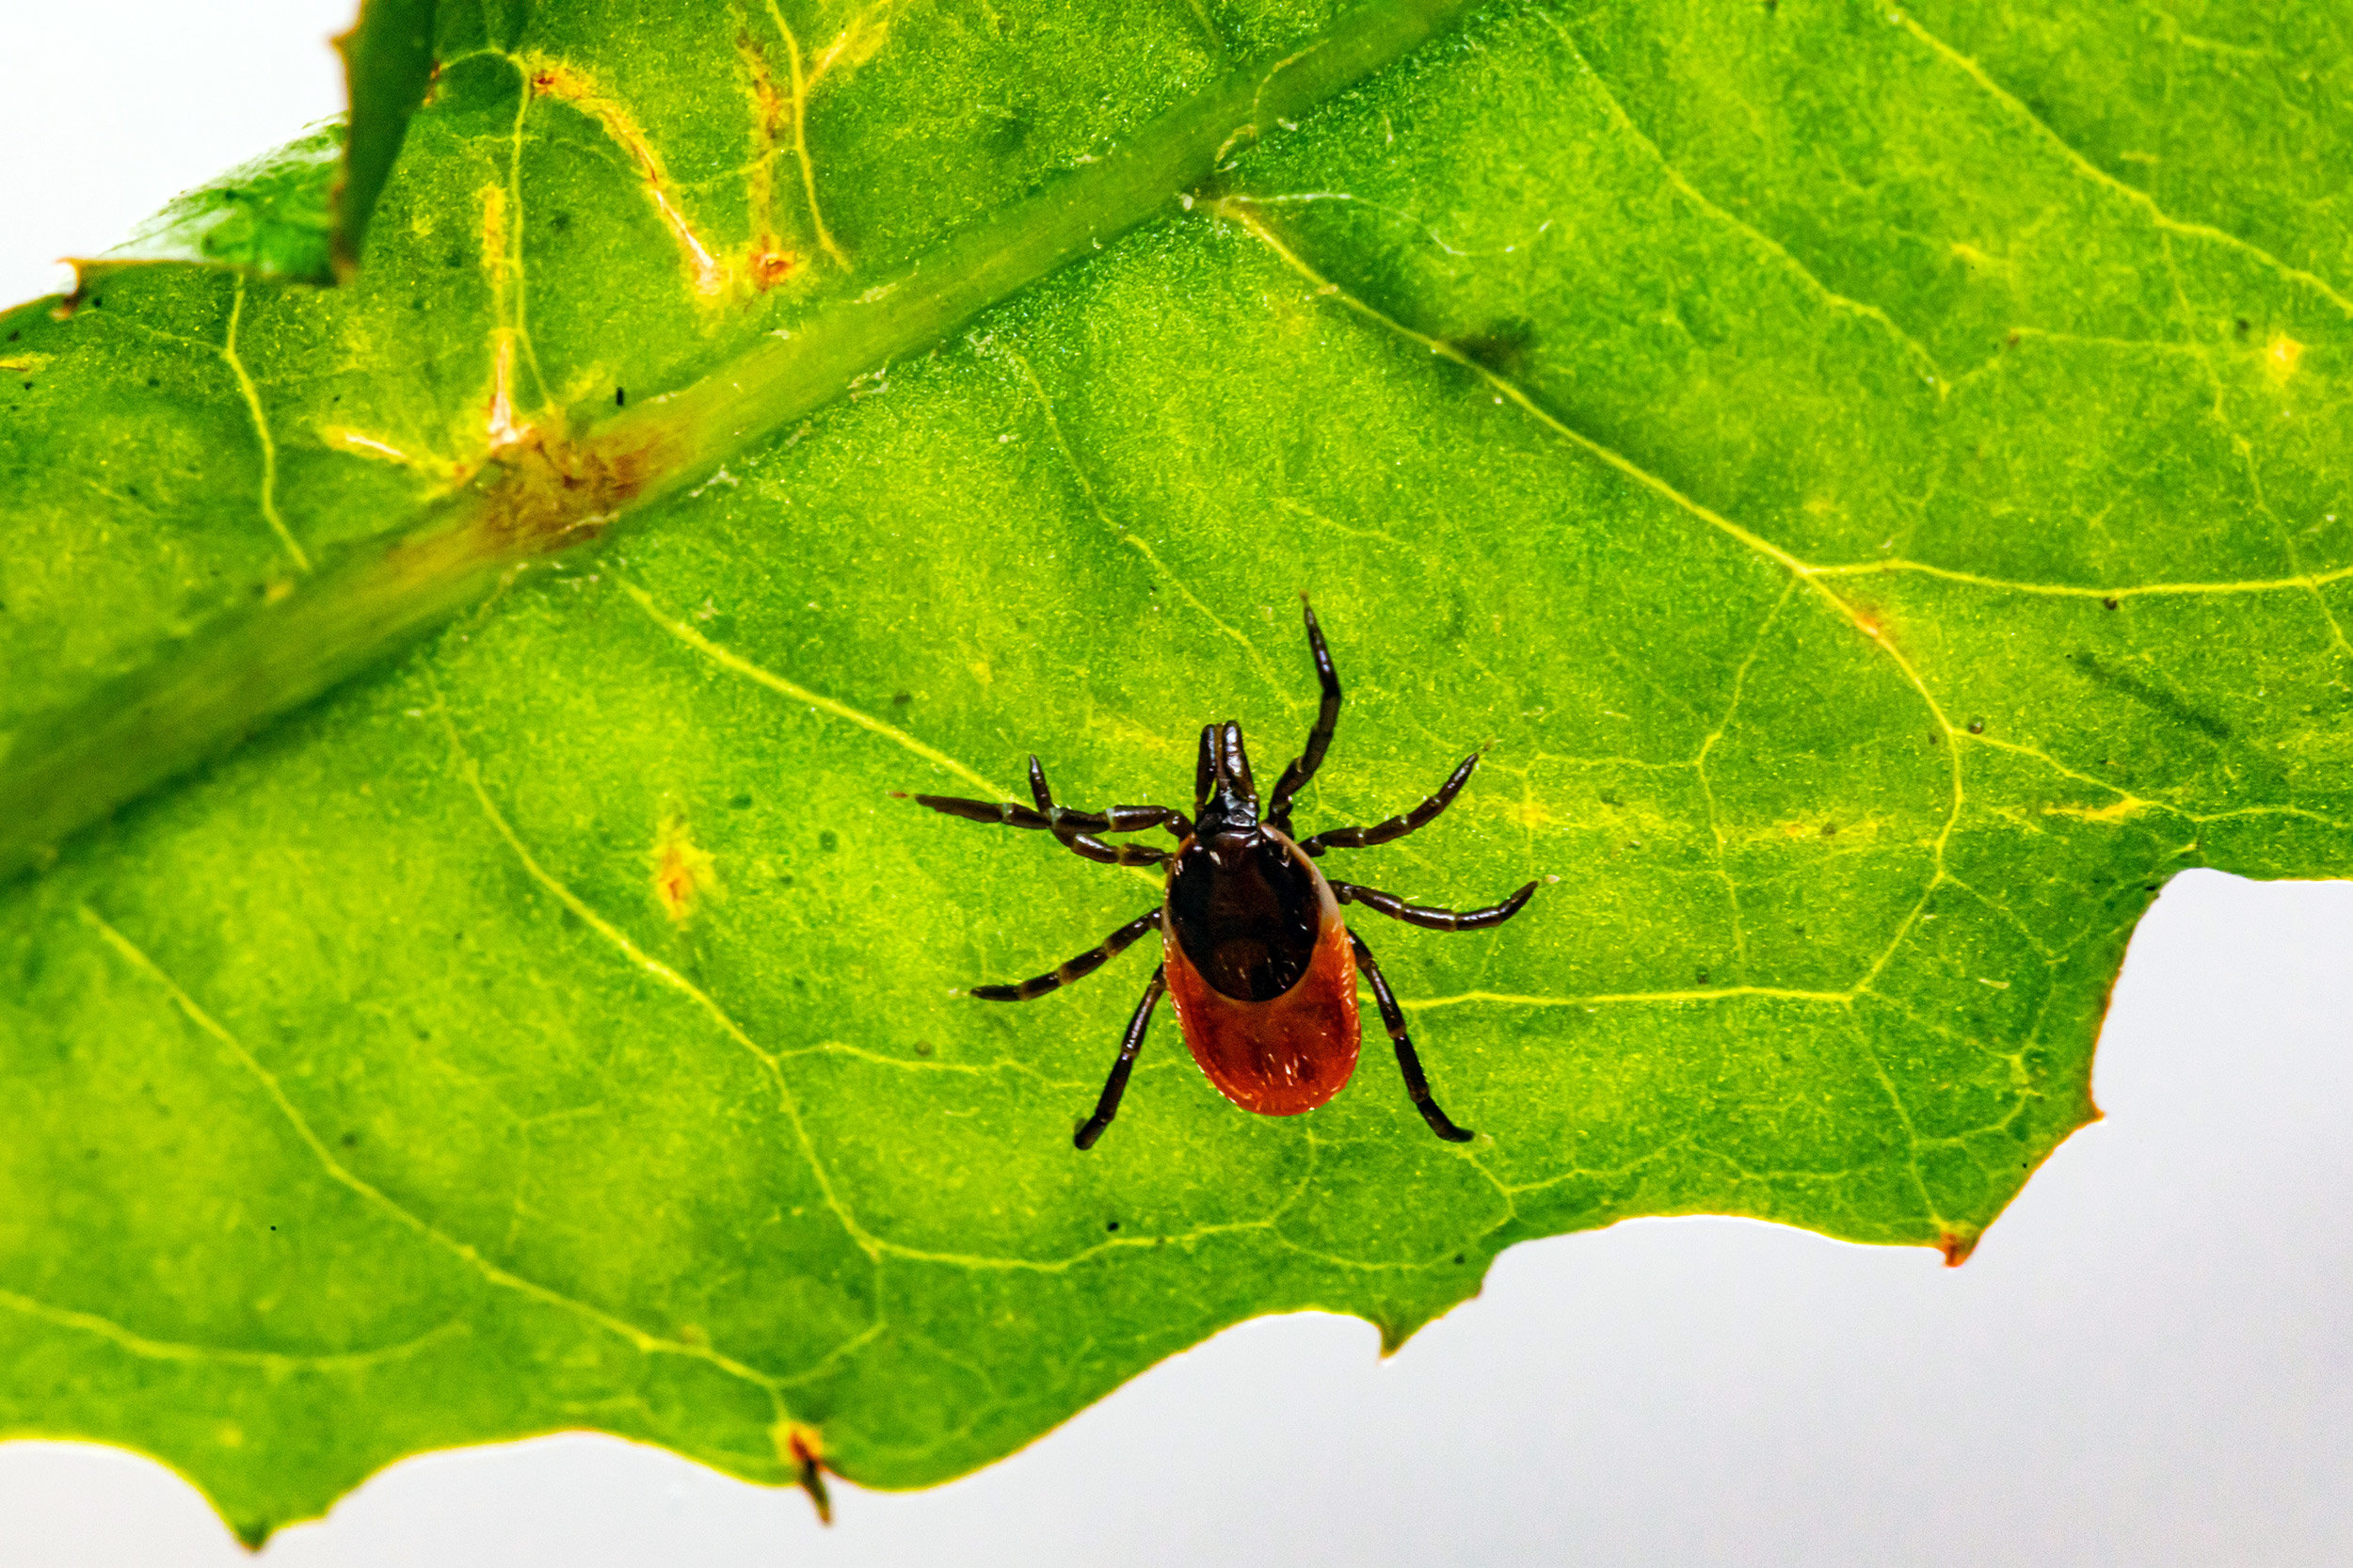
[1957,1246]
[552,492]
[768,267]
[566,84]
[769,261]
[683,874]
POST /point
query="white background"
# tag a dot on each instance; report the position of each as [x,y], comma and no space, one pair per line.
[2145,1363]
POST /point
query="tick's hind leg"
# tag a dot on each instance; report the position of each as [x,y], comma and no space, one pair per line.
[1433,919]
[1116,1085]
[1395,827]
[1077,968]
[1393,1016]
[1303,767]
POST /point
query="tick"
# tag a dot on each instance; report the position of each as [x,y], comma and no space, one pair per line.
[1253,954]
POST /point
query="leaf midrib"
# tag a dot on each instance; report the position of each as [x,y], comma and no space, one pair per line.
[76,764]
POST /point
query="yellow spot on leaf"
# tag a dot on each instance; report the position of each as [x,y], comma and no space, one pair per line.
[2114,812]
[856,43]
[504,429]
[1531,814]
[24,364]
[683,874]
[495,260]
[2279,356]
[346,440]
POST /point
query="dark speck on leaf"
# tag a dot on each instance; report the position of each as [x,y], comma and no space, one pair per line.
[2107,604]
[826,841]
[1976,726]
[155,381]
[2242,326]
[1008,135]
[1703,977]
[1830,830]
[1112,1225]
[1458,1257]
[922,1047]
[621,397]
[900,699]
[1501,347]
[739,803]
[351,1140]
[561,222]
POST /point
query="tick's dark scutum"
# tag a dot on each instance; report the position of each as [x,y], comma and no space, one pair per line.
[1247,911]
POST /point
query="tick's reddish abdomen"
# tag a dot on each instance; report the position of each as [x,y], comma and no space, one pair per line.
[1281,1054]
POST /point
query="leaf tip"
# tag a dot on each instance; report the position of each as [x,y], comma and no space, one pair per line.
[1956,1245]
[802,1449]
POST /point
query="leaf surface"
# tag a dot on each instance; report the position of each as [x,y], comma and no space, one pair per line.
[1873,481]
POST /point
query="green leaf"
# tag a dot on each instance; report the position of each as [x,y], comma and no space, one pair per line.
[1874,481]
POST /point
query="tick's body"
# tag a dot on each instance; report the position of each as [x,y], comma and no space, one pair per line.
[1255,956]
[1260,971]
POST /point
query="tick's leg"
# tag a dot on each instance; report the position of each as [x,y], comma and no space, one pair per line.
[1066,823]
[1301,769]
[1427,918]
[1116,1085]
[1416,1086]
[1395,827]
[1077,968]
[1013,815]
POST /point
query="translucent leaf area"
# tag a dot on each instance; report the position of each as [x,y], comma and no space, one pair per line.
[1874,481]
